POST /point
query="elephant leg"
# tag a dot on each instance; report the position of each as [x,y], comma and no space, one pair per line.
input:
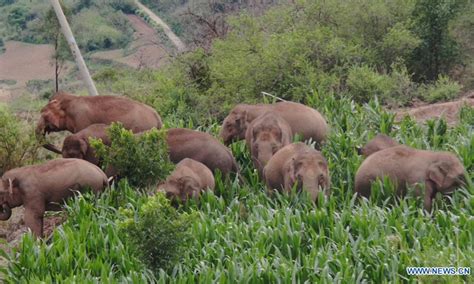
[54,207]
[430,193]
[34,219]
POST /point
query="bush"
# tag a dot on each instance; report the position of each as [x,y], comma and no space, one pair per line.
[142,159]
[101,29]
[126,6]
[18,144]
[158,233]
[364,83]
[444,89]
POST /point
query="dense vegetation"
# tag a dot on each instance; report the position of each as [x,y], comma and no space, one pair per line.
[239,234]
[98,24]
[360,49]
[348,59]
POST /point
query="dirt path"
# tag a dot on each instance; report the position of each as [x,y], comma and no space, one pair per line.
[169,33]
[448,110]
[22,62]
[146,50]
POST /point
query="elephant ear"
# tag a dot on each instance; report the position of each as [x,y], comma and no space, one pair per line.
[437,173]
[187,182]
[83,146]
[290,177]
[241,120]
[56,113]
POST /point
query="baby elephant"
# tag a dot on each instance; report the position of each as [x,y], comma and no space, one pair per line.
[188,180]
[406,167]
[299,163]
[77,145]
[378,143]
[41,188]
[265,136]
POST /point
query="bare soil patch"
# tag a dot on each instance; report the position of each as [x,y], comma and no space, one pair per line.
[23,62]
[12,231]
[447,110]
[146,50]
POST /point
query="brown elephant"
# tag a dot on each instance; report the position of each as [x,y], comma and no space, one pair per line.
[182,143]
[188,180]
[74,113]
[77,145]
[299,163]
[407,167]
[43,187]
[266,135]
[378,143]
[303,120]
[202,147]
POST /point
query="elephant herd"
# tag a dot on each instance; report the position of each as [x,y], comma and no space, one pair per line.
[268,129]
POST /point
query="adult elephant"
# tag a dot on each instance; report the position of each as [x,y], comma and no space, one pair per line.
[412,169]
[303,120]
[182,143]
[298,164]
[74,113]
[44,187]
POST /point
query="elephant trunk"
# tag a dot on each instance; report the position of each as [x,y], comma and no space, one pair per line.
[6,212]
[264,155]
[311,185]
[40,129]
[52,148]
[40,133]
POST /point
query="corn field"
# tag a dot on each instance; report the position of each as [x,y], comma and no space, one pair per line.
[239,234]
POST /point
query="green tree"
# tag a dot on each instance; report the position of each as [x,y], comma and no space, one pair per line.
[52,34]
[438,52]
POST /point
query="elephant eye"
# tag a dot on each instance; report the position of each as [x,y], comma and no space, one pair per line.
[274,148]
[321,178]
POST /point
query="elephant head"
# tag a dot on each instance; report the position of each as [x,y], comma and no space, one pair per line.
[266,135]
[446,173]
[181,189]
[310,173]
[8,187]
[52,119]
[234,126]
[74,147]
[264,146]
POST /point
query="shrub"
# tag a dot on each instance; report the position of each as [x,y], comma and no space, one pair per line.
[142,159]
[398,43]
[101,29]
[18,144]
[438,51]
[158,233]
[364,83]
[443,89]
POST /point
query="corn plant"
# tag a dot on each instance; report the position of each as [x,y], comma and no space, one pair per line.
[240,234]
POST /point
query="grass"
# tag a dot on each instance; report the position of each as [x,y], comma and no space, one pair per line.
[241,235]
[8,82]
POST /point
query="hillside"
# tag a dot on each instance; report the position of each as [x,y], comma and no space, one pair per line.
[29,67]
[399,68]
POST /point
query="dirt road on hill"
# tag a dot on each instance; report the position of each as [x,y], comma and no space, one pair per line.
[448,110]
[169,33]
[146,50]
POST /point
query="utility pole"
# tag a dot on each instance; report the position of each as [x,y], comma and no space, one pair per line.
[86,77]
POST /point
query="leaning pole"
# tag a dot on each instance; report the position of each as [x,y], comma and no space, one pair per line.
[86,76]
